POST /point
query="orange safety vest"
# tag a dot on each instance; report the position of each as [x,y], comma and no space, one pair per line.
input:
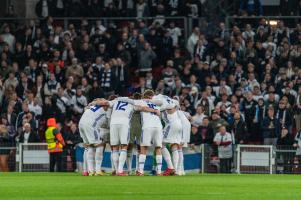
[52,143]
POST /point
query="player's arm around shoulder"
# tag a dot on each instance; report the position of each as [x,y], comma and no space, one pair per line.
[126,100]
[147,109]
[98,101]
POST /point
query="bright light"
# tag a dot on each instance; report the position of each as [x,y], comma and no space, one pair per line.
[273,22]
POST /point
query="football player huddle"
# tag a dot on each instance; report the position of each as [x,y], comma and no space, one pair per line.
[136,122]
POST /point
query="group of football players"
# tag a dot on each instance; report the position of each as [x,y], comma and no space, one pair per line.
[136,122]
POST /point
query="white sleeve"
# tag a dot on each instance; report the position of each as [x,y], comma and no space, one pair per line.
[168,106]
[111,103]
[216,138]
[158,102]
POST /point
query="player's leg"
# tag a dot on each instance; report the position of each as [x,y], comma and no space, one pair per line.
[91,160]
[145,142]
[85,161]
[124,137]
[175,156]
[98,158]
[89,134]
[138,147]
[85,156]
[129,157]
[141,160]
[181,161]
[114,142]
[175,140]
[157,142]
[167,157]
[165,152]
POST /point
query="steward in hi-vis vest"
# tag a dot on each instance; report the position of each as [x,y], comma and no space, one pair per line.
[55,143]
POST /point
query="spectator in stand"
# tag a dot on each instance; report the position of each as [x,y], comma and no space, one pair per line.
[223,140]
[28,135]
[108,80]
[205,132]
[72,138]
[298,110]
[270,127]
[8,38]
[217,121]
[195,138]
[22,115]
[192,40]
[79,102]
[284,116]
[75,70]
[51,87]
[239,130]
[146,57]
[4,153]
[197,119]
[285,142]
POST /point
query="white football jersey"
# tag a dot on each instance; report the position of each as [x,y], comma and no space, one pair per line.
[149,120]
[167,102]
[96,116]
[121,112]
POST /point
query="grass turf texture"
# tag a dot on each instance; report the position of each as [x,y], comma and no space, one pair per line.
[63,186]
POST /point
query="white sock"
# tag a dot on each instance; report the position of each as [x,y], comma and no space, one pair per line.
[85,161]
[175,159]
[167,158]
[121,161]
[91,159]
[115,158]
[142,159]
[181,161]
[159,163]
[137,161]
[98,158]
[112,162]
[129,159]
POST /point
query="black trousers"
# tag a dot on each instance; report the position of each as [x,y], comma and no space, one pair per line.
[225,165]
[56,159]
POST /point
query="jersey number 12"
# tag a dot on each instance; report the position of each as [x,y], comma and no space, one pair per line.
[121,105]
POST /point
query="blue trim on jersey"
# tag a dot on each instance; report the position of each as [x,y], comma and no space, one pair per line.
[165,119]
[95,135]
[97,119]
[166,132]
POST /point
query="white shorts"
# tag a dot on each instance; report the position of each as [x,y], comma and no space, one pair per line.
[89,134]
[172,133]
[151,136]
[105,135]
[186,133]
[119,134]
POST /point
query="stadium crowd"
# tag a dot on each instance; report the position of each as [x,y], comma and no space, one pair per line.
[246,78]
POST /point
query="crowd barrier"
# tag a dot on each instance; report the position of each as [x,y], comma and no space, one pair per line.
[250,159]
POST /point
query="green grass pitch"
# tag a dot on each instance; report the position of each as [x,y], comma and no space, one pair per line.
[70,186]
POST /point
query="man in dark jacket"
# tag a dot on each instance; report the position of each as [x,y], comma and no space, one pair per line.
[239,129]
[28,136]
[285,141]
[270,128]
[206,132]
